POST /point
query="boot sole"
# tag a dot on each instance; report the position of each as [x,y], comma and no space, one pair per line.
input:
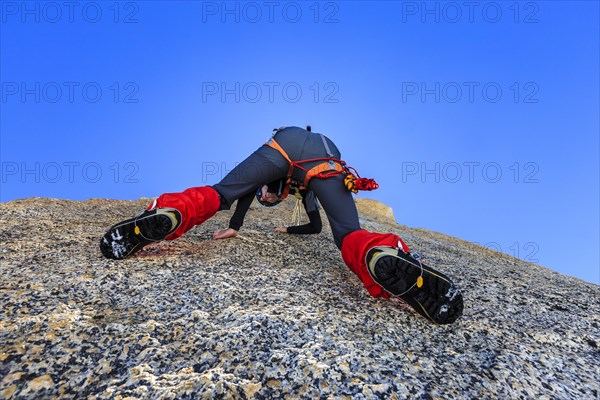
[429,292]
[130,236]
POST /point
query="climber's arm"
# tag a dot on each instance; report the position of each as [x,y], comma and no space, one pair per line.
[237,220]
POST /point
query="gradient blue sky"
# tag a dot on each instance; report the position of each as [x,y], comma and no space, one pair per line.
[479,121]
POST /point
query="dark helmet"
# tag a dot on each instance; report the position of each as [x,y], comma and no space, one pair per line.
[276,187]
[266,203]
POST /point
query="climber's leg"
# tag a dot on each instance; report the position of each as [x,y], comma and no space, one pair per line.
[338,204]
[261,167]
[173,214]
[385,266]
[168,217]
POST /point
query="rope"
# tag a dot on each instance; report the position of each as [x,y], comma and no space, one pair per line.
[354,182]
[296,214]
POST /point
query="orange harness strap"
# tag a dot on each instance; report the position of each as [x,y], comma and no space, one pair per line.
[322,170]
[273,144]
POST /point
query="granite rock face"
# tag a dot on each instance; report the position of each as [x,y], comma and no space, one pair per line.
[268,315]
[375,210]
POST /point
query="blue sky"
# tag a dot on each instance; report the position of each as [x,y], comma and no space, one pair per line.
[479,120]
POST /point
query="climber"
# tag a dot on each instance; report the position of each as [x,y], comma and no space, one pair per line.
[270,195]
[383,262]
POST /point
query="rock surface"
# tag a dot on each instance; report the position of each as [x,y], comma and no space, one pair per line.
[268,315]
[375,210]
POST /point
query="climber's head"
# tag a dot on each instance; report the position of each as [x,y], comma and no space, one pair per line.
[268,196]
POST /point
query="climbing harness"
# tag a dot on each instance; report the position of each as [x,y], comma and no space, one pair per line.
[329,167]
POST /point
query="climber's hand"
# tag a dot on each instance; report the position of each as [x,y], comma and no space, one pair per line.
[281,229]
[225,233]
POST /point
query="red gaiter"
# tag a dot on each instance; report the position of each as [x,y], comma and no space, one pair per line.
[196,205]
[355,247]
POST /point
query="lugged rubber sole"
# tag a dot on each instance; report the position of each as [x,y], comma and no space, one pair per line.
[130,236]
[429,292]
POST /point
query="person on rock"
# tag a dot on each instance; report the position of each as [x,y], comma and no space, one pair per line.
[382,261]
[270,195]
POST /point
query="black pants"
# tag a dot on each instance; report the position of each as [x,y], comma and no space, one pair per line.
[267,164]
